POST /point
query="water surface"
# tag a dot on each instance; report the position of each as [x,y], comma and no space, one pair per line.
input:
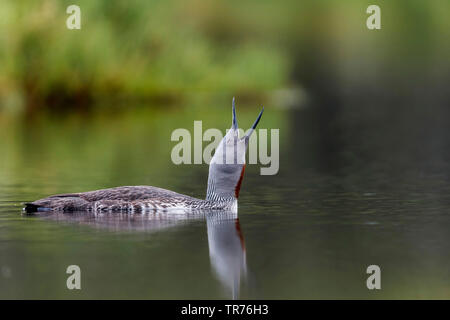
[356,187]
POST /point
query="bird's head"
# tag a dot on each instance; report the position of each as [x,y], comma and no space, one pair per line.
[227,166]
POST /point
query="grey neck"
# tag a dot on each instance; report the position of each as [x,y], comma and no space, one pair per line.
[222,181]
[214,194]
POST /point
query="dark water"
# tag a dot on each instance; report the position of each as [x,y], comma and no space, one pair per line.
[356,187]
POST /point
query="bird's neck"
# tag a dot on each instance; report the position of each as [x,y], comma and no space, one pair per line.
[224,183]
[217,194]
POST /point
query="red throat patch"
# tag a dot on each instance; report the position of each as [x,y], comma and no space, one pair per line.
[238,186]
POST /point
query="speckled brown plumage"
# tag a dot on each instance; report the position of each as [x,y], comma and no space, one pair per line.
[129,198]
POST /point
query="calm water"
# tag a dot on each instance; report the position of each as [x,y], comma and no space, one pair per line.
[356,187]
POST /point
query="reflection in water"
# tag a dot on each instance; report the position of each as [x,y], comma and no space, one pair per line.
[149,222]
[226,243]
[227,250]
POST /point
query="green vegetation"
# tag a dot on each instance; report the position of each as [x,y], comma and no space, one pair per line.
[160,52]
[143,50]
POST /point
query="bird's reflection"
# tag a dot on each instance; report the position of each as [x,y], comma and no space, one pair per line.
[227,250]
[225,240]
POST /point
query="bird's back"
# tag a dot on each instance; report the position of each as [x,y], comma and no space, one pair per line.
[128,198]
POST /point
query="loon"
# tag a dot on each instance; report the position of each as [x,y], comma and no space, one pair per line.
[226,171]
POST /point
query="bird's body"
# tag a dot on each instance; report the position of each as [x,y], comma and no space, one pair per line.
[224,183]
[132,199]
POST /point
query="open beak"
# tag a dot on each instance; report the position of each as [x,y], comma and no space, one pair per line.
[235,123]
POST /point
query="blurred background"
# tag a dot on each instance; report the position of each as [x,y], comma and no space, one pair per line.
[166,52]
[364,124]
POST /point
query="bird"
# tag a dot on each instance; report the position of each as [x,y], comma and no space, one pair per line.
[226,171]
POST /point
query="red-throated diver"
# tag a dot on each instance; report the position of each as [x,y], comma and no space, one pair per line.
[224,183]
